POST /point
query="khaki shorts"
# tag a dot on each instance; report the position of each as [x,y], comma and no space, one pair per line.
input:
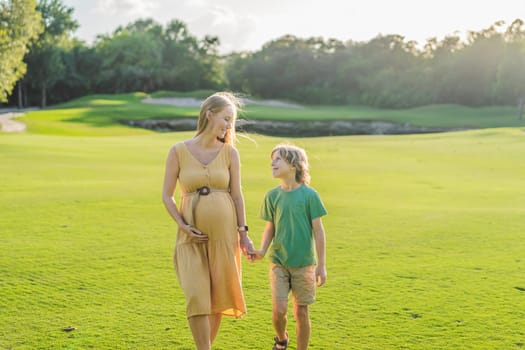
[299,280]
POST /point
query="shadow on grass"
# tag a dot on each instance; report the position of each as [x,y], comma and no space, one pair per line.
[108,110]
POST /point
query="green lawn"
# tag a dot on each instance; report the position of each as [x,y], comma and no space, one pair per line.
[102,114]
[425,239]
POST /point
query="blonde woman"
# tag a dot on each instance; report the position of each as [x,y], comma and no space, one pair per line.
[211,219]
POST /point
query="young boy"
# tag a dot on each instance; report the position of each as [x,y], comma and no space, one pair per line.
[293,213]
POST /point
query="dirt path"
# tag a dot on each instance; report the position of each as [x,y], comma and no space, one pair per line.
[8,124]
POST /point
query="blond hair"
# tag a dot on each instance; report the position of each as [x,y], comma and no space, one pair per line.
[296,157]
[216,103]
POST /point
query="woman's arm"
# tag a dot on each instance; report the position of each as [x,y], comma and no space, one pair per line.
[170,181]
[268,234]
[238,200]
[320,247]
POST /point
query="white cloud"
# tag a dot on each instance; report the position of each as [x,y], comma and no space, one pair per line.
[247,25]
[232,27]
[142,8]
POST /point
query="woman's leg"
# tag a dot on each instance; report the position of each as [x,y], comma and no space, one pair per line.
[302,326]
[200,329]
[215,323]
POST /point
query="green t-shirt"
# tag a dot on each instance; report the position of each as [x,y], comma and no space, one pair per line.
[292,213]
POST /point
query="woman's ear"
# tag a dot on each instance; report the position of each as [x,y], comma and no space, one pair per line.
[208,114]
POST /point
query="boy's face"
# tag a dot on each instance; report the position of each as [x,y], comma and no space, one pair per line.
[281,168]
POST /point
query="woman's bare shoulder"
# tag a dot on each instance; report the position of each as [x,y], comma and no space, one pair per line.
[174,151]
[177,146]
[233,150]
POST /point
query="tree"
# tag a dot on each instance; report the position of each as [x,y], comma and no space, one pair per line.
[289,67]
[379,69]
[144,56]
[19,25]
[129,61]
[476,66]
[510,82]
[45,64]
[82,65]
[440,61]
[189,63]
[235,70]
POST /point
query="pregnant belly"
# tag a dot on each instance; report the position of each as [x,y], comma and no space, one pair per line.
[215,215]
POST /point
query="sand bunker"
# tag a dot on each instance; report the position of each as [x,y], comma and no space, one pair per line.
[193,102]
[7,124]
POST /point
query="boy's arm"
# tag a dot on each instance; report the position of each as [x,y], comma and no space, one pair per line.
[320,247]
[268,234]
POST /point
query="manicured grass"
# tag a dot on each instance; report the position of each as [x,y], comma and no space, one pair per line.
[101,115]
[425,240]
[199,94]
[449,116]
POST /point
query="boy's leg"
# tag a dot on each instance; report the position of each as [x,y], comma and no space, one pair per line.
[302,327]
[280,286]
[303,289]
[279,319]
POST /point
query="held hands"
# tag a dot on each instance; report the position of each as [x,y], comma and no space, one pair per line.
[195,234]
[249,250]
[247,247]
[258,254]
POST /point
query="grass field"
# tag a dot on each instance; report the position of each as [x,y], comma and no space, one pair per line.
[100,115]
[425,239]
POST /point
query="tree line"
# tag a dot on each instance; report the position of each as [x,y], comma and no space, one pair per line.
[41,62]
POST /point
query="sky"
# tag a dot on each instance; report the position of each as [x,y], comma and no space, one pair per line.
[246,25]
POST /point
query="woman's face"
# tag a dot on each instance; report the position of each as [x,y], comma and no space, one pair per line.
[222,121]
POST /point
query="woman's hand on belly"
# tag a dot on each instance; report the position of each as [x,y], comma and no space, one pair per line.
[196,235]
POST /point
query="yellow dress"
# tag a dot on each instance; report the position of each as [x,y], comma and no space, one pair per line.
[209,273]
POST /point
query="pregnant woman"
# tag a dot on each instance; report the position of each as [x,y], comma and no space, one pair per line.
[211,219]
